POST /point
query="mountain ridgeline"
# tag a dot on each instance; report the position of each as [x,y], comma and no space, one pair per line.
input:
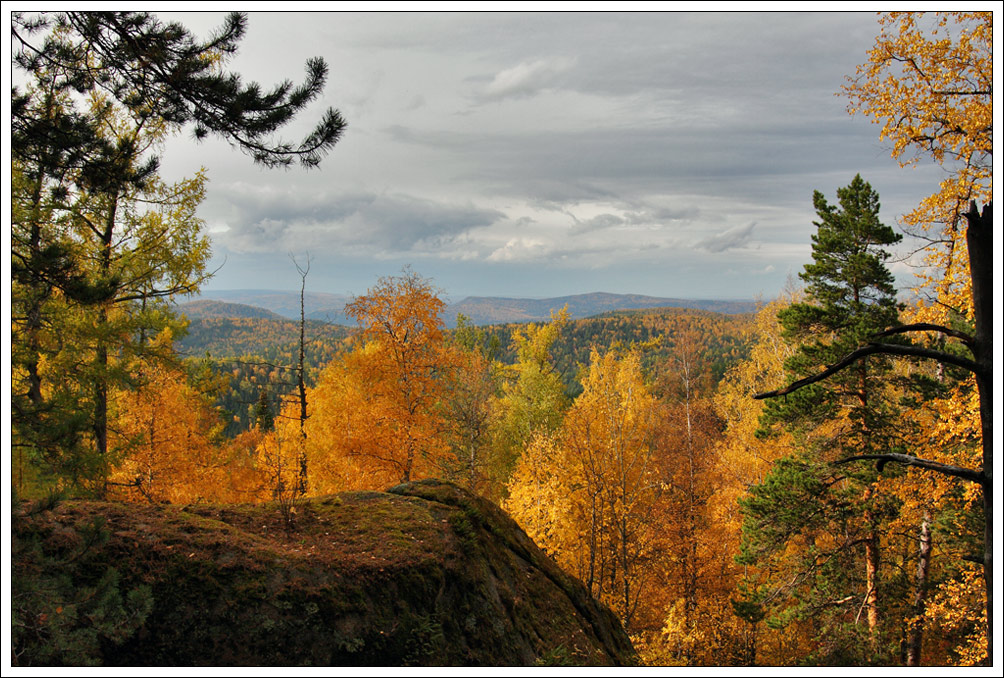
[330,308]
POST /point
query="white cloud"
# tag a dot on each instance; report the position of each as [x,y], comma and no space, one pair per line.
[527,78]
[736,237]
[520,249]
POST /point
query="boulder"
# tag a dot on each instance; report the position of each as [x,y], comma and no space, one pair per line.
[423,574]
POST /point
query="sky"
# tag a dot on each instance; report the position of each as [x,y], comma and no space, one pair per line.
[545,154]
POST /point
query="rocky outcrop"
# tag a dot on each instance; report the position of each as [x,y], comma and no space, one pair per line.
[424,574]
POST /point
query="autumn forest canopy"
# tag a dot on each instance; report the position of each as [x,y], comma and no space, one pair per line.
[806,485]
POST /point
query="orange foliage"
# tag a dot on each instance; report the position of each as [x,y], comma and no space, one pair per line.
[165,432]
[375,416]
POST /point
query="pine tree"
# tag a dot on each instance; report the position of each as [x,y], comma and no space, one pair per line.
[262,415]
[834,516]
[105,87]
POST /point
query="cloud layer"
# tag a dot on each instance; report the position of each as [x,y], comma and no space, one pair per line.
[659,153]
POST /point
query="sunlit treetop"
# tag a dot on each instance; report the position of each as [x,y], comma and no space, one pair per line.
[928,82]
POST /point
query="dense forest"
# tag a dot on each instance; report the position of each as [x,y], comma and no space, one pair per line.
[255,359]
[809,485]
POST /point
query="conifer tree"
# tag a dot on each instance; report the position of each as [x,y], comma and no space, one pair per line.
[834,516]
[103,87]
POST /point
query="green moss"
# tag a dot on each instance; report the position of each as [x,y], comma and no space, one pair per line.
[425,575]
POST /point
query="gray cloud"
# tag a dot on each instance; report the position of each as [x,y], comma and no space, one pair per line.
[733,238]
[597,223]
[360,222]
[629,143]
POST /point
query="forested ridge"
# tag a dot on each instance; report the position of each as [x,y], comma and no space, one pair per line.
[807,485]
[257,356]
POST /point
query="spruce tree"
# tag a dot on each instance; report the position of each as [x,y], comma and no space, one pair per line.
[834,515]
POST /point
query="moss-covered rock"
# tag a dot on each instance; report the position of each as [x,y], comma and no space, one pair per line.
[424,574]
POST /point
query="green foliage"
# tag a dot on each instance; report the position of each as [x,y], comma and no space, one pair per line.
[788,501]
[148,67]
[557,656]
[425,640]
[255,356]
[850,298]
[813,531]
[66,610]
[533,400]
[472,338]
[99,243]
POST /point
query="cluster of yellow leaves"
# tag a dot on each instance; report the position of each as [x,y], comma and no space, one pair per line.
[166,434]
[590,493]
[958,606]
[928,82]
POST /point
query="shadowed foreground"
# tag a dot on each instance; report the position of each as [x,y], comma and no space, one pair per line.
[424,574]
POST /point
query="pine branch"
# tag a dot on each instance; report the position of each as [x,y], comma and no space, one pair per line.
[910,460]
[872,349]
[927,327]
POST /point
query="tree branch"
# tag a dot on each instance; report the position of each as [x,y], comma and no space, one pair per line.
[910,460]
[933,354]
[927,327]
[871,349]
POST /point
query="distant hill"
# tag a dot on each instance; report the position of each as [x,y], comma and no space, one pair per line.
[269,337]
[493,310]
[210,308]
[316,305]
[256,353]
[480,310]
[722,337]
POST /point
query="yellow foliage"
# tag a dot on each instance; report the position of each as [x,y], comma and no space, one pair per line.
[590,494]
[375,416]
[928,82]
[742,459]
[165,432]
[958,607]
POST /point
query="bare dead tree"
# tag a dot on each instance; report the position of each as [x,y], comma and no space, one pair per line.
[300,383]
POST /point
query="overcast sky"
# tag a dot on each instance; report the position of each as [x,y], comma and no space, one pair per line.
[545,154]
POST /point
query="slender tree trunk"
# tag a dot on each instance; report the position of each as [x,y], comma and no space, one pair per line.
[33,319]
[592,544]
[100,423]
[39,291]
[871,576]
[302,388]
[472,470]
[872,560]
[916,630]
